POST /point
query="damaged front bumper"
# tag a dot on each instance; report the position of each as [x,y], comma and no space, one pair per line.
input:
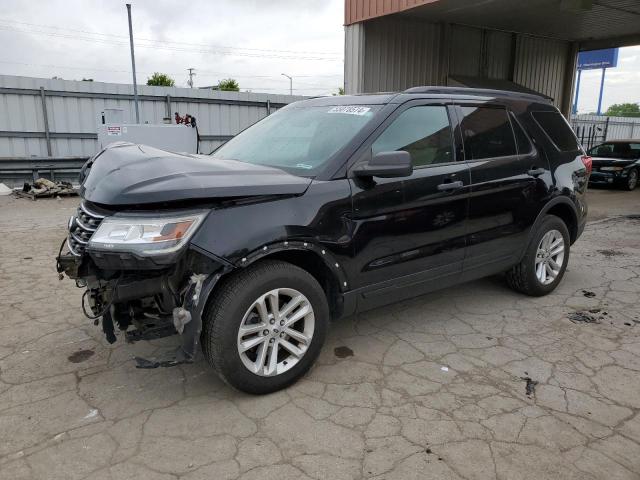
[146,298]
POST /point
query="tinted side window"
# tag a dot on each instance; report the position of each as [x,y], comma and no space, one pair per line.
[558,130]
[487,133]
[424,132]
[522,140]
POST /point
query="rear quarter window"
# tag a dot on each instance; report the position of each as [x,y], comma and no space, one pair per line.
[558,130]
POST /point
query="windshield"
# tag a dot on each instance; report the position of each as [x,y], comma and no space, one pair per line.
[624,150]
[299,140]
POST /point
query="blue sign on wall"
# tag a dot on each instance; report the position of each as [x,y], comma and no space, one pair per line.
[595,59]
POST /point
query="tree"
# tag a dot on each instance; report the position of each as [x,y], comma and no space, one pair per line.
[160,80]
[228,85]
[340,92]
[624,110]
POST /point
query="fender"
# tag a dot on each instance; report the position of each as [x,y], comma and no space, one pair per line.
[346,304]
[317,222]
[332,264]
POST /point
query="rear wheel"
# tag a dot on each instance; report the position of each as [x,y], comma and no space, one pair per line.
[545,260]
[632,180]
[265,327]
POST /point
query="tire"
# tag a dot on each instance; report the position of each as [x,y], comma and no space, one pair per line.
[246,299]
[524,276]
[632,180]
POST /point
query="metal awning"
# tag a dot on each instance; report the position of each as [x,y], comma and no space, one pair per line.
[593,23]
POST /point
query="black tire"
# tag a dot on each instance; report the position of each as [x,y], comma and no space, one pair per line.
[227,308]
[632,180]
[522,277]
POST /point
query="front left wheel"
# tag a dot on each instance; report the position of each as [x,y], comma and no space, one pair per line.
[265,326]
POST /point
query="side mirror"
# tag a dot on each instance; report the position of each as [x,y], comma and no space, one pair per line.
[386,165]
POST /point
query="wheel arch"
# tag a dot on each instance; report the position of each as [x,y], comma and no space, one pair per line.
[314,259]
[564,209]
[561,207]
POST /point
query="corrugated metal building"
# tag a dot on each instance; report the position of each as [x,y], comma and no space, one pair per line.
[392,45]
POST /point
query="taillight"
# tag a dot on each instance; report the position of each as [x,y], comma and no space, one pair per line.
[588,163]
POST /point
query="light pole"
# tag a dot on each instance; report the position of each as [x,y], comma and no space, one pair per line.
[133,65]
[290,83]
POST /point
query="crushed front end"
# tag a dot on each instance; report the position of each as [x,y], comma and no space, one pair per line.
[140,274]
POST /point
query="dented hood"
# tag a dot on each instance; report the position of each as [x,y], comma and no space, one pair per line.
[128,174]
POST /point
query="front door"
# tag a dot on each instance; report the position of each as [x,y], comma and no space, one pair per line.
[409,234]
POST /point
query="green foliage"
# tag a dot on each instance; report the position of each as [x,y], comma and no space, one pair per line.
[160,80]
[624,110]
[228,85]
[340,92]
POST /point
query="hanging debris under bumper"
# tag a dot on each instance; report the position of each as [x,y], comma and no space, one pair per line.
[146,304]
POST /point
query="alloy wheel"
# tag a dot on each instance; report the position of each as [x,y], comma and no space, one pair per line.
[276,332]
[632,180]
[549,257]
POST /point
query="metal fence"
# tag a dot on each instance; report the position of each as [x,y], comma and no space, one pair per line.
[49,125]
[594,129]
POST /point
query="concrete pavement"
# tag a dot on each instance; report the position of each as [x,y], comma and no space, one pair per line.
[435,387]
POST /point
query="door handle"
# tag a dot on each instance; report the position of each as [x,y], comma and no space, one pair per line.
[443,187]
[536,172]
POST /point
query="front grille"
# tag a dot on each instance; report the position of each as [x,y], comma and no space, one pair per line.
[81,228]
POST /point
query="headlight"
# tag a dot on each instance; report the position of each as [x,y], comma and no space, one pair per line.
[611,169]
[145,235]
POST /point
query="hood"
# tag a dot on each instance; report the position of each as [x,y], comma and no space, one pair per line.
[128,174]
[606,161]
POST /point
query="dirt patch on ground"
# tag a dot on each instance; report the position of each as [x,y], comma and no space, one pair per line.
[611,253]
[589,316]
[80,356]
[343,352]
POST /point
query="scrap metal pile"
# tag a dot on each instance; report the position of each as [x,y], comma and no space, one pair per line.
[44,188]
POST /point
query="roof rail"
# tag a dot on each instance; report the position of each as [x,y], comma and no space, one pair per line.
[474,91]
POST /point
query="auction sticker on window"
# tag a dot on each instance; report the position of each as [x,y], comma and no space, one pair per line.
[114,130]
[350,110]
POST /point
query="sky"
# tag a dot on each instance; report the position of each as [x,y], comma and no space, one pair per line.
[622,84]
[253,41]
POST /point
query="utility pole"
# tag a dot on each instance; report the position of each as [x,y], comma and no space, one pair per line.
[133,65]
[290,83]
[191,74]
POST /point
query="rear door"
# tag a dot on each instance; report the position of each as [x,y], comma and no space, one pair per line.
[410,232]
[507,186]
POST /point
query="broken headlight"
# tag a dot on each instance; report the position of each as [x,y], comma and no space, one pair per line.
[145,235]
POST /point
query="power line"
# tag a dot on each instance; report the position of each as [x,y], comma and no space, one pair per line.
[167,47]
[173,46]
[302,52]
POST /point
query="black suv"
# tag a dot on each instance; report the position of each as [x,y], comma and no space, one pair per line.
[329,206]
[616,162]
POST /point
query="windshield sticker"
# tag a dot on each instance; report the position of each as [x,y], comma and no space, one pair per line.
[304,165]
[350,110]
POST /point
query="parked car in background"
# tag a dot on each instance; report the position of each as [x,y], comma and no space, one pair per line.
[617,163]
[328,207]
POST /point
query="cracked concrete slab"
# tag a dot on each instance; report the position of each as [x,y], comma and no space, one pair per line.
[428,388]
